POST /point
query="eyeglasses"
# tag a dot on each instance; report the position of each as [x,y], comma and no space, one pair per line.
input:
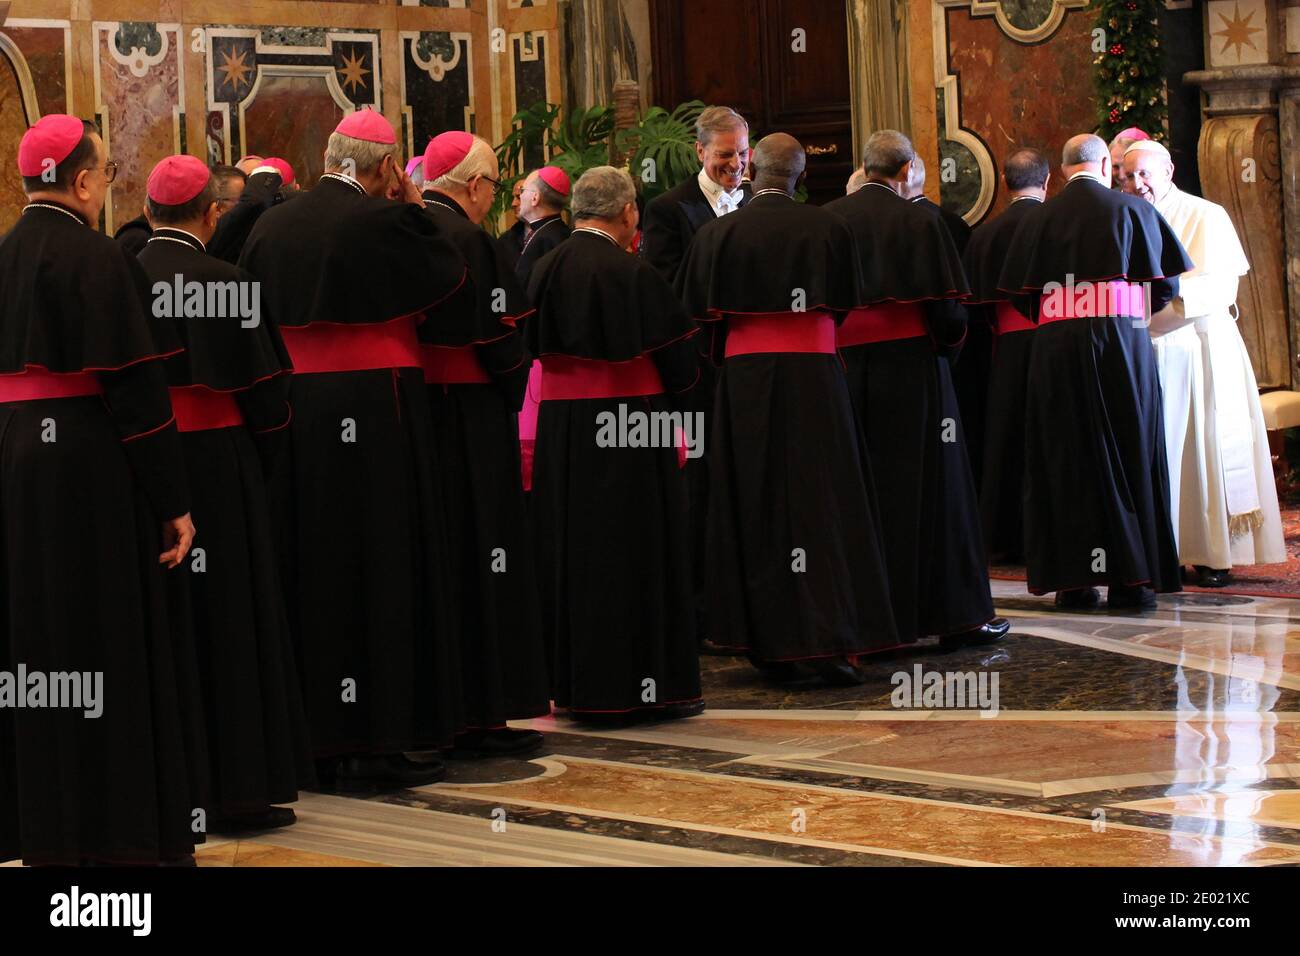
[110,171]
[497,186]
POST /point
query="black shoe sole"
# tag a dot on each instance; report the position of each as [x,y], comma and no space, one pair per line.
[485,753]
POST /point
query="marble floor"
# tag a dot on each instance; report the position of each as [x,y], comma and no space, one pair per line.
[1170,738]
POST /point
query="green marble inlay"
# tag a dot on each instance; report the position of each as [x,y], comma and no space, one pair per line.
[960,195]
[1027,14]
[437,44]
[132,34]
[294,36]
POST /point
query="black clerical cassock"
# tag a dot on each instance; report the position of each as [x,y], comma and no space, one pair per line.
[90,464]
[610,504]
[349,277]
[1096,478]
[476,368]
[229,391]
[1002,488]
[794,568]
[897,350]
[541,237]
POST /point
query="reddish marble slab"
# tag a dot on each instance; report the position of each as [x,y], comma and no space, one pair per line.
[1015,94]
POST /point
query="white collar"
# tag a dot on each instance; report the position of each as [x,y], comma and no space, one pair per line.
[890,189]
[773,192]
[184,232]
[714,192]
[345,178]
[599,232]
[1087,174]
[1016,199]
[49,205]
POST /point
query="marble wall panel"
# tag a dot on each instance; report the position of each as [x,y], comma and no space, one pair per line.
[137,87]
[1011,93]
[220,89]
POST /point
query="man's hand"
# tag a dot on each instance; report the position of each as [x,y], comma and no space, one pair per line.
[403,189]
[178,535]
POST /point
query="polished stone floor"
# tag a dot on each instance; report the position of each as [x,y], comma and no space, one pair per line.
[1170,738]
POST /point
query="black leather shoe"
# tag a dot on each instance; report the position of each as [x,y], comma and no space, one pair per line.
[385,772]
[990,633]
[1078,599]
[784,672]
[1214,577]
[837,672]
[687,708]
[1130,598]
[272,818]
[502,742]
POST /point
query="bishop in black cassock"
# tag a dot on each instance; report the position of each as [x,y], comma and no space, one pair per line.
[1090,266]
[349,274]
[92,488]
[476,368]
[795,570]
[229,392]
[1002,489]
[898,350]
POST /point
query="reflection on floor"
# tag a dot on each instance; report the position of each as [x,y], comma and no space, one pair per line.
[1164,739]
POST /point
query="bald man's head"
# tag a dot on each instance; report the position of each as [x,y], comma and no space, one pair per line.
[778,163]
[1086,152]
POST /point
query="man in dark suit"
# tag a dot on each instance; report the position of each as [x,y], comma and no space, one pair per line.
[722,143]
[669,224]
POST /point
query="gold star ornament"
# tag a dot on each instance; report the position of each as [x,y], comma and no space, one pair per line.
[1238,33]
[353,71]
[235,68]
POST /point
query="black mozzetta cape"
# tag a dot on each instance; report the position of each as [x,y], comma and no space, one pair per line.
[221,353]
[338,255]
[883,221]
[492,303]
[74,301]
[538,240]
[818,271]
[595,301]
[1095,234]
[987,252]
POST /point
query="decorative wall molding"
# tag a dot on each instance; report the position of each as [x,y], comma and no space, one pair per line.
[26,86]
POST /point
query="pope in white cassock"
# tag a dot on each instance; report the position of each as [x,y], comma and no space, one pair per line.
[1220,473]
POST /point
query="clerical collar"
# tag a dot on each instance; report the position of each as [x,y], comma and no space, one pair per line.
[57,207]
[772,192]
[446,202]
[888,189]
[540,224]
[535,227]
[599,232]
[713,192]
[346,180]
[1088,174]
[1016,199]
[191,240]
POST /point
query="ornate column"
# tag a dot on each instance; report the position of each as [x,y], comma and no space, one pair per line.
[1252,108]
